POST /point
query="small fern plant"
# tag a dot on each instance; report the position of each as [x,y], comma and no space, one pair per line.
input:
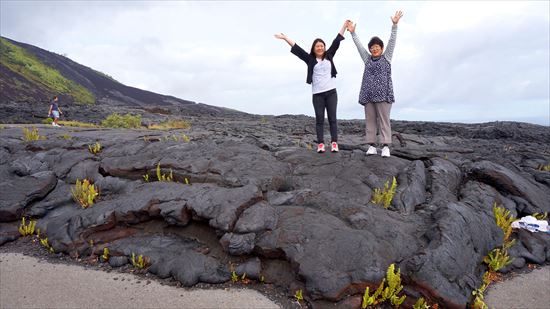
[105,256]
[94,148]
[382,294]
[26,229]
[299,295]
[84,193]
[540,216]
[44,242]
[32,135]
[163,177]
[497,259]
[140,261]
[385,196]
[234,277]
[504,220]
[421,304]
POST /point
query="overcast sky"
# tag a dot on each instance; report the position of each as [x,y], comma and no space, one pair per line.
[454,61]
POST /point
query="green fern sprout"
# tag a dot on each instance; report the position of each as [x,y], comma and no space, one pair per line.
[95,148]
[66,136]
[479,302]
[389,292]
[44,242]
[299,295]
[421,304]
[146,177]
[105,255]
[234,277]
[385,196]
[32,135]
[538,216]
[394,286]
[163,177]
[504,220]
[185,138]
[544,168]
[497,259]
[140,262]
[26,229]
[369,300]
[84,193]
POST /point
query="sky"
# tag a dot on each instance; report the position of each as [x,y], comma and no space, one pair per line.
[466,61]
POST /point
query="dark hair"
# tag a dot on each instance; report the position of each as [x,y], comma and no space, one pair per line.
[54,97]
[312,52]
[376,41]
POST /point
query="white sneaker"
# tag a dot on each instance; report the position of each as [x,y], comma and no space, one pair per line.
[371,151]
[385,152]
[53,124]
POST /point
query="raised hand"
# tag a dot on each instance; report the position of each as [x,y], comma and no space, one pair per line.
[282,36]
[395,19]
[344,26]
[351,26]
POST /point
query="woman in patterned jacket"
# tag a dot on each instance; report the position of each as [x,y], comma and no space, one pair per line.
[376,93]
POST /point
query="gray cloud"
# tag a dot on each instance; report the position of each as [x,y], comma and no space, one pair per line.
[469,62]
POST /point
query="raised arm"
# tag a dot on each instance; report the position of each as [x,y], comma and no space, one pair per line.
[336,42]
[362,51]
[282,36]
[295,49]
[344,27]
[391,43]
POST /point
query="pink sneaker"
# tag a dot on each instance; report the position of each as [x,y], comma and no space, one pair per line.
[334,147]
[321,148]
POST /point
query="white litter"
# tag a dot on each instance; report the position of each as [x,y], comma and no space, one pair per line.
[531,224]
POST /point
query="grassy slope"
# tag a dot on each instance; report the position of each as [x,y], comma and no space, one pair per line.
[25,64]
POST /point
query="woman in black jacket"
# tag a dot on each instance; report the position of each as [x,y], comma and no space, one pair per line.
[321,74]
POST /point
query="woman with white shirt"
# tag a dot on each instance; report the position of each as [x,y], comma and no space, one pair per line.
[321,74]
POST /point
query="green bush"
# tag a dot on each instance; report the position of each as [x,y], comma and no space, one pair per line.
[127,121]
[30,135]
[47,120]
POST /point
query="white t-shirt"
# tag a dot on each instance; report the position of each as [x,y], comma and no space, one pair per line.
[321,79]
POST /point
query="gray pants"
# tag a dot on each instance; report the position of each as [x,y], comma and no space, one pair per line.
[377,118]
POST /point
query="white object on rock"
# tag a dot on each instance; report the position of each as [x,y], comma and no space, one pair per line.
[531,224]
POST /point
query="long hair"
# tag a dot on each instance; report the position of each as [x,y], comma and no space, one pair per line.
[312,52]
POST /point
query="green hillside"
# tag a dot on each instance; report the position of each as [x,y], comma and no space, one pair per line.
[18,60]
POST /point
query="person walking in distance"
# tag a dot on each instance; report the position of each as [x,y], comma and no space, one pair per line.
[321,74]
[376,93]
[54,111]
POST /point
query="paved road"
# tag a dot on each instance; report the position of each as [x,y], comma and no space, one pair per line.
[26,282]
[529,291]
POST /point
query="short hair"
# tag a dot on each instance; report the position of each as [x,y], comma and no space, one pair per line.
[376,41]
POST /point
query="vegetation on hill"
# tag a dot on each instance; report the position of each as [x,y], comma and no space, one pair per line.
[24,63]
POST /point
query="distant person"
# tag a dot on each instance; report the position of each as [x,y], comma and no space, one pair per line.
[376,93]
[54,111]
[321,74]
